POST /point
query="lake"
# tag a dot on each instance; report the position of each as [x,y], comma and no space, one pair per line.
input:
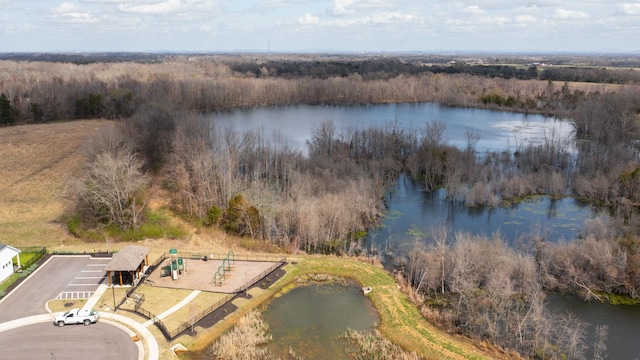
[498,130]
[556,219]
[410,206]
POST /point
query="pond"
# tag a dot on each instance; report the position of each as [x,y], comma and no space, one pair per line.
[309,319]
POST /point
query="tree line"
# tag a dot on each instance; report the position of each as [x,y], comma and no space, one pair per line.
[41,91]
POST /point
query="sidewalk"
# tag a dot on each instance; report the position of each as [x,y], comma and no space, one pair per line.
[93,300]
[174,308]
[152,343]
[30,320]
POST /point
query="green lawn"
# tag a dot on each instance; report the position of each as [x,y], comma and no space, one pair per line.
[24,257]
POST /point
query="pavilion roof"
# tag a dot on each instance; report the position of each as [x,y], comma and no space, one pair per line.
[128,258]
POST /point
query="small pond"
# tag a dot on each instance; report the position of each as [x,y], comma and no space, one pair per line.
[309,319]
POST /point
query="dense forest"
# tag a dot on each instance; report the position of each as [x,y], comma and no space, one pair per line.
[256,186]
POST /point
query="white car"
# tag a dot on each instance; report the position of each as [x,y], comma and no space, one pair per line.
[76,316]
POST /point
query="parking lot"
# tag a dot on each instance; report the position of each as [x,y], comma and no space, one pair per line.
[61,277]
[85,283]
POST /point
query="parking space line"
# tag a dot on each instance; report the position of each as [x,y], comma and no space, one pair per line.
[103,265]
[89,277]
[92,271]
[73,295]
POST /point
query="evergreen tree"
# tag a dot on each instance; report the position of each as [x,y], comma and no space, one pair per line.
[6,113]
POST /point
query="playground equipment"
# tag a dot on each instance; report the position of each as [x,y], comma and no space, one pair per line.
[177,264]
[225,267]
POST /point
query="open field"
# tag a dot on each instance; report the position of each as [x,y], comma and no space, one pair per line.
[37,163]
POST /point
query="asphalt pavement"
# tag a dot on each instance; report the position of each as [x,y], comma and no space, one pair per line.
[26,326]
[72,342]
[56,276]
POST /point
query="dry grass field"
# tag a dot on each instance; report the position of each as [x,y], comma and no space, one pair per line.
[37,163]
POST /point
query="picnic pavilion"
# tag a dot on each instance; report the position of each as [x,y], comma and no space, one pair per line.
[128,265]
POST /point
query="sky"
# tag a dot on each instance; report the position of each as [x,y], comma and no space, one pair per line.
[320,25]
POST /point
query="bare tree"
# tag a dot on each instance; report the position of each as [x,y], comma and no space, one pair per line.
[600,345]
[111,190]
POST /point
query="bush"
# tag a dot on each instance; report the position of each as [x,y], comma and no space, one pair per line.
[74,225]
[213,216]
[155,226]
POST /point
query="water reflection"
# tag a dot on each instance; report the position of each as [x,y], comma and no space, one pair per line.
[622,320]
[308,319]
[416,209]
[498,130]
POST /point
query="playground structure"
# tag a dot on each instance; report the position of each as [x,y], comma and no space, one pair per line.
[177,265]
[234,274]
[223,269]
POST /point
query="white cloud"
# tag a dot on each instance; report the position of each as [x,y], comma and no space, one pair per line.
[66,8]
[569,14]
[495,21]
[271,4]
[375,4]
[104,1]
[473,9]
[629,9]
[378,24]
[381,18]
[162,7]
[393,17]
[309,19]
[341,7]
[526,19]
[71,13]
[348,7]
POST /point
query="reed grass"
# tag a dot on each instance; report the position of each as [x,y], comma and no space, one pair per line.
[244,340]
[374,346]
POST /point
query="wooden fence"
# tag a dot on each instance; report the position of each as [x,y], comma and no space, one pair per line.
[257,278]
[171,334]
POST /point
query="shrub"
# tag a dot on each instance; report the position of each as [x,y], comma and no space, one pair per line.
[213,216]
[241,218]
